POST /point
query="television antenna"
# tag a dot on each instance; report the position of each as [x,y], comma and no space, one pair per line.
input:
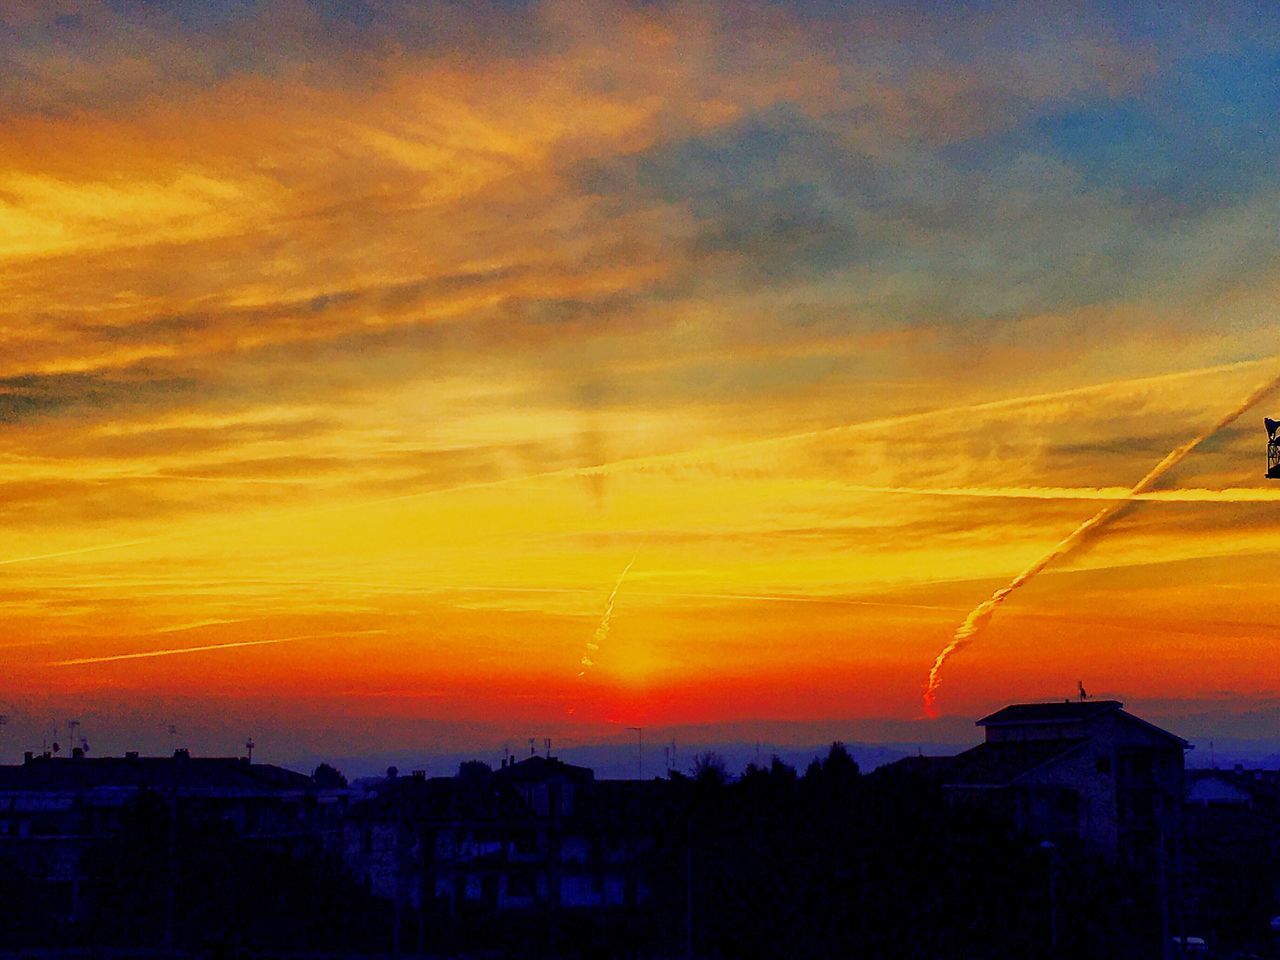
[249,745]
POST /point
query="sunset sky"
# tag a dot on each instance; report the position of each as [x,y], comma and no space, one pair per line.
[351,351]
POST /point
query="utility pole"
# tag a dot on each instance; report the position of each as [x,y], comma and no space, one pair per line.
[1166,948]
[639,751]
[397,913]
[1051,851]
[688,888]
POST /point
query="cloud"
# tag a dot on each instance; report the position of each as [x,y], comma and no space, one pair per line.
[314,306]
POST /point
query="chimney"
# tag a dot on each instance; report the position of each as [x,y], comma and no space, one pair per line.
[28,756]
[77,753]
[182,753]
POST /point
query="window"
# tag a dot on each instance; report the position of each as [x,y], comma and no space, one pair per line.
[520,884]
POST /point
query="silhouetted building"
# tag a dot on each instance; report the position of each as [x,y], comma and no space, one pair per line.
[1232,853]
[1084,772]
[537,833]
[54,809]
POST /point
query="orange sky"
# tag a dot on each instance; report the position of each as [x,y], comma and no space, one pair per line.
[373,341]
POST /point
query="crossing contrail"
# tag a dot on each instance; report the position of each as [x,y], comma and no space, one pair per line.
[981,615]
[676,458]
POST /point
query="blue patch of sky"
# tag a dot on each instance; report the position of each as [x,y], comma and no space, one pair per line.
[1202,134]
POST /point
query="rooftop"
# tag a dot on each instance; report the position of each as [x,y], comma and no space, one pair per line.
[999,764]
[231,774]
[540,768]
[1065,711]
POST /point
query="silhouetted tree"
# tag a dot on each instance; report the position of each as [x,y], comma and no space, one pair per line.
[476,770]
[709,769]
[328,777]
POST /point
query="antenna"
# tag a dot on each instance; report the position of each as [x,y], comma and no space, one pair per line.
[173,738]
[546,742]
[531,750]
[72,727]
[1081,690]
[249,745]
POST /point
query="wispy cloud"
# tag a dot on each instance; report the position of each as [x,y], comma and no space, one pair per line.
[415,314]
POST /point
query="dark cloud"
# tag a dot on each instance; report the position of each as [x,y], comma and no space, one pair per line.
[33,396]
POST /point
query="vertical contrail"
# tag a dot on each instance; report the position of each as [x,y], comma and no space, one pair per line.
[981,614]
[602,631]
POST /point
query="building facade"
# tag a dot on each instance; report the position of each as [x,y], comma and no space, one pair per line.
[1085,772]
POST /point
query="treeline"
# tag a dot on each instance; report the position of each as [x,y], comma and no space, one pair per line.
[833,863]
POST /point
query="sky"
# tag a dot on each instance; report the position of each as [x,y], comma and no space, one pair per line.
[380,375]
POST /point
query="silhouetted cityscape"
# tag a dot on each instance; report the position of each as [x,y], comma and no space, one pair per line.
[1072,829]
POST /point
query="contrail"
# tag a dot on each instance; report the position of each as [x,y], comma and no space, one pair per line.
[183,627]
[981,615]
[175,651]
[78,550]
[602,631]
[1123,494]
[712,453]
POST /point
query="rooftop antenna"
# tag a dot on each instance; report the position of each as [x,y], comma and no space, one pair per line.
[173,738]
[1084,695]
[249,745]
[531,743]
[546,742]
[72,727]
